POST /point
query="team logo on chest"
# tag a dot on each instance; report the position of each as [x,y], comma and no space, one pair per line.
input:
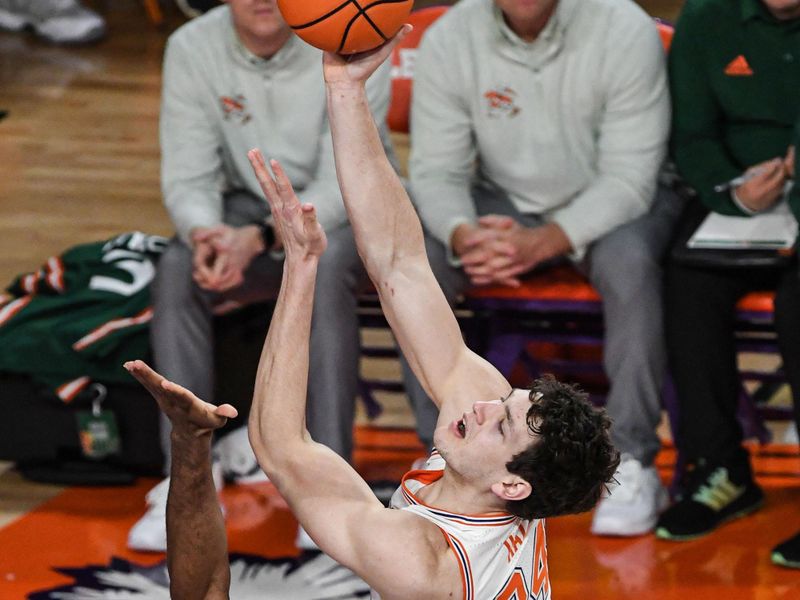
[501,102]
[234,108]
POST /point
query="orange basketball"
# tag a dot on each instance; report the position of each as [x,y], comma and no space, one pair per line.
[345,26]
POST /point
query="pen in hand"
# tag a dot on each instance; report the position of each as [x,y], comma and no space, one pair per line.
[737,181]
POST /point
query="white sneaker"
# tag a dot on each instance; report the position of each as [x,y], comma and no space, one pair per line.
[149,534]
[58,21]
[236,457]
[632,504]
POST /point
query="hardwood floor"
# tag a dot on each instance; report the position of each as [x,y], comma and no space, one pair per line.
[79,161]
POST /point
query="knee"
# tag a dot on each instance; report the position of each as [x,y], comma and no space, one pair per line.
[624,267]
[173,273]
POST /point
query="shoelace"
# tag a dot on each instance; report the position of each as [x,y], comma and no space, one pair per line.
[718,490]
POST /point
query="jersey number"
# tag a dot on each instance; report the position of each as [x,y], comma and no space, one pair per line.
[516,588]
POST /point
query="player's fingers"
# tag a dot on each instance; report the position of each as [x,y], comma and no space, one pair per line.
[496,221]
[178,393]
[227,411]
[309,213]
[264,177]
[284,186]
[149,378]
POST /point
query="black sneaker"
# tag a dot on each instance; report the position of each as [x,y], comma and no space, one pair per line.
[787,554]
[713,496]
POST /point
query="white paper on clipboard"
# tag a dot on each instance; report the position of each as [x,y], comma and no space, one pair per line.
[773,229]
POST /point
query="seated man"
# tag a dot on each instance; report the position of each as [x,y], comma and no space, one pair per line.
[506,457]
[537,132]
[233,78]
[735,103]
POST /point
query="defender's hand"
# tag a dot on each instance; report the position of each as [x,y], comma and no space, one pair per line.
[189,415]
[296,223]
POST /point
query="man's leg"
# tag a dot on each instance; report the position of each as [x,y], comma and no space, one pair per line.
[787,324]
[625,267]
[701,314]
[181,337]
[181,334]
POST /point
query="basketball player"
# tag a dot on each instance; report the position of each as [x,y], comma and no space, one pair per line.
[469,524]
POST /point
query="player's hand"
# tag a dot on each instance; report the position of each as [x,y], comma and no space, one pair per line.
[765,188]
[295,223]
[232,249]
[188,414]
[356,68]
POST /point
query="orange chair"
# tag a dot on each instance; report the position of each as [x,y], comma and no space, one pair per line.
[403,57]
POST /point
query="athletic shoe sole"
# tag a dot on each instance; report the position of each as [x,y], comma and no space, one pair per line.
[778,559]
[664,534]
[11,22]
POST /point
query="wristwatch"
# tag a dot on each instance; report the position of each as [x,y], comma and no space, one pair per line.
[267,235]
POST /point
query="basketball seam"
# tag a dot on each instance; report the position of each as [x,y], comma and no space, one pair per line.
[362,11]
[325,16]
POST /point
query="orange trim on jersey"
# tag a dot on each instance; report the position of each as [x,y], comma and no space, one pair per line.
[110,327]
[464,566]
[11,309]
[55,273]
[69,390]
[427,477]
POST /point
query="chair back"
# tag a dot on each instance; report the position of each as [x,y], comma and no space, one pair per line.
[402,58]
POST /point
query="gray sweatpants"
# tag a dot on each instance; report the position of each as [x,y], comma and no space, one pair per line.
[626,268]
[182,331]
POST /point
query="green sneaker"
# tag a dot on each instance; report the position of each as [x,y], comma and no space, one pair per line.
[712,498]
[787,554]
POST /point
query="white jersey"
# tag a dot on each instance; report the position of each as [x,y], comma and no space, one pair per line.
[500,556]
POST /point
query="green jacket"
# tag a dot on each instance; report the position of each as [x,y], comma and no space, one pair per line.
[735,83]
[80,316]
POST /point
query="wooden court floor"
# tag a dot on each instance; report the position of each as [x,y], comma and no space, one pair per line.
[79,162]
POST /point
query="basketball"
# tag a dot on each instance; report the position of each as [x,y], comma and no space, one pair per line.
[345,27]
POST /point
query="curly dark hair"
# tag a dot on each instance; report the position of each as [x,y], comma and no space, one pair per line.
[572,461]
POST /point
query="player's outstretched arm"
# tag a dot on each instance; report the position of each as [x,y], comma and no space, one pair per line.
[390,241]
[334,505]
[197,550]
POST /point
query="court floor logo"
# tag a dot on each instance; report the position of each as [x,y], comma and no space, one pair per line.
[316,577]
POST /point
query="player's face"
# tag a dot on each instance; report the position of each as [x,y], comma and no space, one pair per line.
[524,16]
[258,19]
[483,440]
[783,9]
